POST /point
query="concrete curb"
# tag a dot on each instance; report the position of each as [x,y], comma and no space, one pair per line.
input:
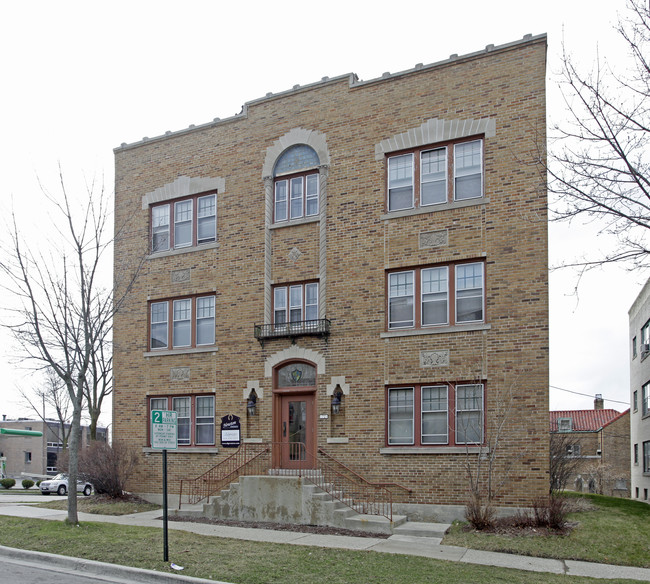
[99,570]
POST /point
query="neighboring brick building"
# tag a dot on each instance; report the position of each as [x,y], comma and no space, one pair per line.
[597,442]
[382,243]
[639,315]
[37,455]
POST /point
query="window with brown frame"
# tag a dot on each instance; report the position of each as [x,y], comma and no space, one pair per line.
[182,322]
[184,223]
[437,414]
[195,417]
[437,174]
[420,297]
[296,197]
[295,303]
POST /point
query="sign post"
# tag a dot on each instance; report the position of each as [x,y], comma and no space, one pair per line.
[164,436]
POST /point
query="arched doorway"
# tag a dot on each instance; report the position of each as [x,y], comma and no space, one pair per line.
[294,414]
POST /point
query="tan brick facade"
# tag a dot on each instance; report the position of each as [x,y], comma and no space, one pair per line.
[349,247]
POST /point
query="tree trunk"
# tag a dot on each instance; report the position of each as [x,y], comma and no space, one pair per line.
[73,469]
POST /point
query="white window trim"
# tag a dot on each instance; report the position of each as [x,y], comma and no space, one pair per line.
[388,181]
[481,414]
[288,180]
[446,321]
[170,321]
[446,180]
[412,442]
[194,243]
[456,321]
[189,417]
[446,411]
[189,319]
[197,424]
[285,290]
[412,296]
[184,221]
[482,171]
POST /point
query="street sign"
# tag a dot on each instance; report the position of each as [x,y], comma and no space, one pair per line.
[164,429]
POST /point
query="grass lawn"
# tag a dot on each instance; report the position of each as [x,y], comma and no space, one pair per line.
[616,531]
[246,562]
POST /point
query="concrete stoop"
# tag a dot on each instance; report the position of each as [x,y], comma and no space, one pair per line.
[292,499]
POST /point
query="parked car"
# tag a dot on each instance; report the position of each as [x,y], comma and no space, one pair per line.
[59,485]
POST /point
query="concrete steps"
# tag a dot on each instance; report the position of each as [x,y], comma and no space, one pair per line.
[312,506]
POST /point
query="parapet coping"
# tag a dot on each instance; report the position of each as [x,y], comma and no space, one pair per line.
[353,80]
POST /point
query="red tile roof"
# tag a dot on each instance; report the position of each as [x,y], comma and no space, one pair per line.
[585,420]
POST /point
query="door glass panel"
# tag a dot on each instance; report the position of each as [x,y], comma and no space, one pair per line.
[297,429]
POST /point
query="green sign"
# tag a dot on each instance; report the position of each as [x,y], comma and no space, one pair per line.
[164,429]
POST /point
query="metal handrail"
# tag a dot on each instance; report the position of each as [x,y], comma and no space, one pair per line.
[379,484]
[330,475]
[248,459]
[348,487]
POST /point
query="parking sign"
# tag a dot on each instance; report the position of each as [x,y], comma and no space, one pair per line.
[164,429]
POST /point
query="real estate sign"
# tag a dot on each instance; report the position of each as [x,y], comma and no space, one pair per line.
[164,429]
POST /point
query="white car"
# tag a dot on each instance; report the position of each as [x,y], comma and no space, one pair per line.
[59,485]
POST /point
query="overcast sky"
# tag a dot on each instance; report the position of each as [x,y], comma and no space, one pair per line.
[80,78]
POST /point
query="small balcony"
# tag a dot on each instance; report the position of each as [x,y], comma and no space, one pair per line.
[301,328]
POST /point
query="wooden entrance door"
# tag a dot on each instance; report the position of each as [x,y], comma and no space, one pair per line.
[297,430]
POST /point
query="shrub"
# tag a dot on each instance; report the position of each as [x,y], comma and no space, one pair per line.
[27,483]
[479,515]
[550,512]
[7,483]
[38,482]
[107,467]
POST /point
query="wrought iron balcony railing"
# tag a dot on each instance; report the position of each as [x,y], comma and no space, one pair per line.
[319,327]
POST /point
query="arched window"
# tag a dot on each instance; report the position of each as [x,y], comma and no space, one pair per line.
[296,375]
[296,184]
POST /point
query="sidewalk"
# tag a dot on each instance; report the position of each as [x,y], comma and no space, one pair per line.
[18,506]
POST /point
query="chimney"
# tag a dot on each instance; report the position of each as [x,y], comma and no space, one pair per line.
[599,402]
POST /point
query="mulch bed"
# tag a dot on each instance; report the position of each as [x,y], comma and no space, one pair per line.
[317,529]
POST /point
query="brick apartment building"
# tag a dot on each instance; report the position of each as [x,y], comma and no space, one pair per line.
[598,444]
[364,263]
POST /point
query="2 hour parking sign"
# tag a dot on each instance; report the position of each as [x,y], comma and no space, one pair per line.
[164,429]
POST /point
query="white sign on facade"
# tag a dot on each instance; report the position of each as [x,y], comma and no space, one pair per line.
[164,429]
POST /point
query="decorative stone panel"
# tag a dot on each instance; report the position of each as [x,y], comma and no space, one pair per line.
[431,239]
[179,276]
[434,358]
[179,374]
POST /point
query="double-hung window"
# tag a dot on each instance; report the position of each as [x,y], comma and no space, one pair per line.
[421,297]
[431,176]
[296,197]
[184,223]
[295,303]
[192,322]
[645,400]
[435,415]
[645,339]
[646,457]
[195,417]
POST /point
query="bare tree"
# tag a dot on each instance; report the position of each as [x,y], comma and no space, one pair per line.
[488,470]
[600,161]
[52,394]
[98,383]
[63,308]
[563,465]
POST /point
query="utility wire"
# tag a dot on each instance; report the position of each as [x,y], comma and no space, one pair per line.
[588,395]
